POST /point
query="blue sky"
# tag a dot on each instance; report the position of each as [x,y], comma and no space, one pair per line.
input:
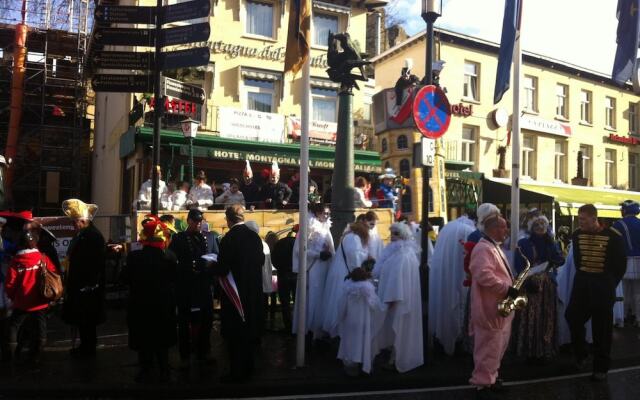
[581,32]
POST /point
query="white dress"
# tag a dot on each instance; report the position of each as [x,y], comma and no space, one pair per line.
[201,196]
[352,250]
[374,244]
[178,200]
[447,295]
[320,239]
[399,291]
[359,310]
[144,195]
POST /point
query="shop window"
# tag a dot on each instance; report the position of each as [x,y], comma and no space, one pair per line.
[585,106]
[610,112]
[634,183]
[560,161]
[260,18]
[562,101]
[468,144]
[323,23]
[384,146]
[531,93]
[587,161]
[528,157]
[402,142]
[471,89]
[609,167]
[633,118]
[405,168]
[324,104]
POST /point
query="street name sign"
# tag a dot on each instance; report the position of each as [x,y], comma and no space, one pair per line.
[431,111]
[126,36]
[124,60]
[186,34]
[185,11]
[122,83]
[183,91]
[185,58]
[112,14]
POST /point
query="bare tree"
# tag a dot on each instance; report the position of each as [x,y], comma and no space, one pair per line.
[394,15]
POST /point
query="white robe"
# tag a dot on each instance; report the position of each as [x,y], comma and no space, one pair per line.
[178,200]
[144,195]
[351,248]
[267,270]
[320,239]
[399,291]
[359,312]
[231,198]
[447,295]
[565,277]
[201,196]
[374,244]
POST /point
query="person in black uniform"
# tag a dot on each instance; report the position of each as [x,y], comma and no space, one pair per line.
[84,285]
[240,260]
[193,290]
[599,257]
[151,310]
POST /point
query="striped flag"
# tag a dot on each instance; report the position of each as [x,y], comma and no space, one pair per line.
[298,36]
[510,29]
[229,287]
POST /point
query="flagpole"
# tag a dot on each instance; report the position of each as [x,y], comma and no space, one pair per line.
[515,139]
[301,296]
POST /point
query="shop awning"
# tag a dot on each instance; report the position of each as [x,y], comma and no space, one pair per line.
[215,147]
[569,197]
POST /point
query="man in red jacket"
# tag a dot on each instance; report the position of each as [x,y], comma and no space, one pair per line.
[29,306]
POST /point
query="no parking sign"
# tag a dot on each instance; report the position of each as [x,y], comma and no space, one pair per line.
[431,112]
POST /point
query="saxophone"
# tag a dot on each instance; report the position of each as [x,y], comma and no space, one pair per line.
[506,306]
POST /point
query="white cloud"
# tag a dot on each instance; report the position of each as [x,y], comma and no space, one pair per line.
[580,32]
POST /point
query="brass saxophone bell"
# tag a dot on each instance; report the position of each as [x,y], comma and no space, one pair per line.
[520,302]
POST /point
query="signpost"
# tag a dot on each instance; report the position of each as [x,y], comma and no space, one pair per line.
[185,58]
[122,83]
[185,34]
[183,91]
[111,14]
[125,36]
[124,60]
[185,11]
[431,112]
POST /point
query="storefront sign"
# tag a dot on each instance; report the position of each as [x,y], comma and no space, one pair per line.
[321,132]
[177,106]
[235,123]
[270,52]
[461,110]
[624,139]
[545,126]
[268,158]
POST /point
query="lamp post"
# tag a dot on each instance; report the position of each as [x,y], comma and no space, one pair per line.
[190,130]
[431,10]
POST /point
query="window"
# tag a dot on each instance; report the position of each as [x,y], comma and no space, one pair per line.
[471,89]
[633,117]
[530,86]
[528,161]
[468,144]
[260,95]
[405,168]
[586,161]
[387,165]
[585,106]
[609,167]
[383,146]
[402,142]
[322,25]
[562,94]
[560,161]
[260,18]
[610,112]
[634,184]
[324,104]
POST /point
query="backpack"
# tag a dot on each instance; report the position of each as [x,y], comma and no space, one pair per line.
[49,283]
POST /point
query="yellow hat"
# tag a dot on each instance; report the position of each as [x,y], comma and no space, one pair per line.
[75,208]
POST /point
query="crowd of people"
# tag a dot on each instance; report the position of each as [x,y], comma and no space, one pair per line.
[267,192]
[361,295]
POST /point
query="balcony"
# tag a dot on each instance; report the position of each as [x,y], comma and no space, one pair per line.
[453,156]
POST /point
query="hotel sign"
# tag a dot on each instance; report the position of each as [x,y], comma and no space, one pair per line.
[269,52]
[235,123]
[546,126]
[623,139]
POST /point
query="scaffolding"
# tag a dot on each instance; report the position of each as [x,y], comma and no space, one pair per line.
[53,153]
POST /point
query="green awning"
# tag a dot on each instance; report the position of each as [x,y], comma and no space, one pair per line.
[570,197]
[215,147]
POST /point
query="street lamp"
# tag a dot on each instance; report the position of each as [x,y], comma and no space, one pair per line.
[190,130]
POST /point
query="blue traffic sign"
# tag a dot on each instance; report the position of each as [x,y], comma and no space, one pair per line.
[431,112]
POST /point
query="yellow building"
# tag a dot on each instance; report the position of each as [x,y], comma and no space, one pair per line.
[251,108]
[567,109]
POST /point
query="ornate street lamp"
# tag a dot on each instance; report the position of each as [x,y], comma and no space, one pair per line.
[190,130]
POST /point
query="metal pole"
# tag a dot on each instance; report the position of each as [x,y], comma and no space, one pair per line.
[301,297]
[158,112]
[515,142]
[191,171]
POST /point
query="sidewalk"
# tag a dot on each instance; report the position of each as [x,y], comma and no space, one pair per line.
[111,374]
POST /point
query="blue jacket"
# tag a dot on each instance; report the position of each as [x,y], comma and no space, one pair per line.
[629,228]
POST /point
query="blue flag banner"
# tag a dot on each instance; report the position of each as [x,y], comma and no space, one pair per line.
[627,38]
[510,26]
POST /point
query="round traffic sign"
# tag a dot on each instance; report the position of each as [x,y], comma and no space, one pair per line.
[431,112]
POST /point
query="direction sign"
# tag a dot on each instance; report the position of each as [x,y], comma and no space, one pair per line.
[185,58]
[186,34]
[123,60]
[185,11]
[428,147]
[126,36]
[183,91]
[122,83]
[431,112]
[111,14]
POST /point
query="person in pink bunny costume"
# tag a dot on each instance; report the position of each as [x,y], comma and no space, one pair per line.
[492,281]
